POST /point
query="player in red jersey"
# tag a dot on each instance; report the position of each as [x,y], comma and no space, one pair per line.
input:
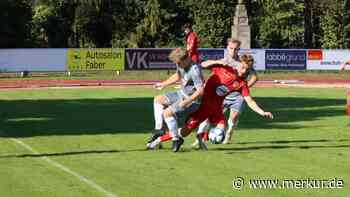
[224,79]
[191,42]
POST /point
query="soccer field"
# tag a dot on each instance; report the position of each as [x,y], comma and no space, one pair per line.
[91,142]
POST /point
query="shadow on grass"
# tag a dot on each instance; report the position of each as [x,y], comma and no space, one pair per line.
[284,144]
[276,147]
[292,141]
[87,152]
[27,118]
[230,150]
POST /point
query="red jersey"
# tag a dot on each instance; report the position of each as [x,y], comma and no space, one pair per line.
[192,46]
[224,80]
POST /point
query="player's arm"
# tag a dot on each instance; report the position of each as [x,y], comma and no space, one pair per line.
[171,80]
[198,82]
[209,63]
[196,95]
[253,79]
[254,106]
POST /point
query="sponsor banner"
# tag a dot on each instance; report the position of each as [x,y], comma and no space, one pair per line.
[285,59]
[330,60]
[150,59]
[210,54]
[147,59]
[95,59]
[17,60]
[258,55]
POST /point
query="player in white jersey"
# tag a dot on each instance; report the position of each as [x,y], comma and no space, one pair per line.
[173,106]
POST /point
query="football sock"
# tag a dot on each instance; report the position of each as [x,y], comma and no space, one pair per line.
[165,137]
[158,115]
[203,127]
[172,125]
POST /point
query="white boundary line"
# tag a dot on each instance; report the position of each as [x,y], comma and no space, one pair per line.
[65,169]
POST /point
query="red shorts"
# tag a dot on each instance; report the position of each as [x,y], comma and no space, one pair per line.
[214,116]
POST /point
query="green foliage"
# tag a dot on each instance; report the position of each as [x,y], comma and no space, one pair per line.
[212,21]
[15,23]
[50,26]
[336,25]
[147,30]
[158,23]
[127,15]
[153,29]
[279,24]
[94,23]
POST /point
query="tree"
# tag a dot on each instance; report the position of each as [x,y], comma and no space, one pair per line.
[127,15]
[212,21]
[52,23]
[336,25]
[158,23]
[279,23]
[153,29]
[94,23]
[15,23]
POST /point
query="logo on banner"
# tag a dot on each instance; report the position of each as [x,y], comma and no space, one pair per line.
[148,59]
[95,59]
[314,55]
[136,59]
[285,59]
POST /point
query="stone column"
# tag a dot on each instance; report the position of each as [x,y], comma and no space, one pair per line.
[241,28]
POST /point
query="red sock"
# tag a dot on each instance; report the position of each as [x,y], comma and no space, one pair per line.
[204,136]
[165,137]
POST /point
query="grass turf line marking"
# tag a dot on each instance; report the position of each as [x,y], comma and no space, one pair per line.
[65,169]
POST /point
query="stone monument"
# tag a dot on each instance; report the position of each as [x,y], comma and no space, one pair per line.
[240,28]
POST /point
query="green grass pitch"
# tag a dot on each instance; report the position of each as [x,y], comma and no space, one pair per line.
[100,133]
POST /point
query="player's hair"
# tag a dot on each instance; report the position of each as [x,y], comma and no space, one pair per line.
[177,55]
[233,40]
[248,59]
[188,25]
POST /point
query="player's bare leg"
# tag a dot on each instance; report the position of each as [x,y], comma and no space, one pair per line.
[232,123]
[199,142]
[184,132]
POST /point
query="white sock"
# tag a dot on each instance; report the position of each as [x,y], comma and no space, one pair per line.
[158,115]
[158,140]
[204,126]
[172,125]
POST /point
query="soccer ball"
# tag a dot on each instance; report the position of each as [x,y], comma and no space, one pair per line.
[216,135]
